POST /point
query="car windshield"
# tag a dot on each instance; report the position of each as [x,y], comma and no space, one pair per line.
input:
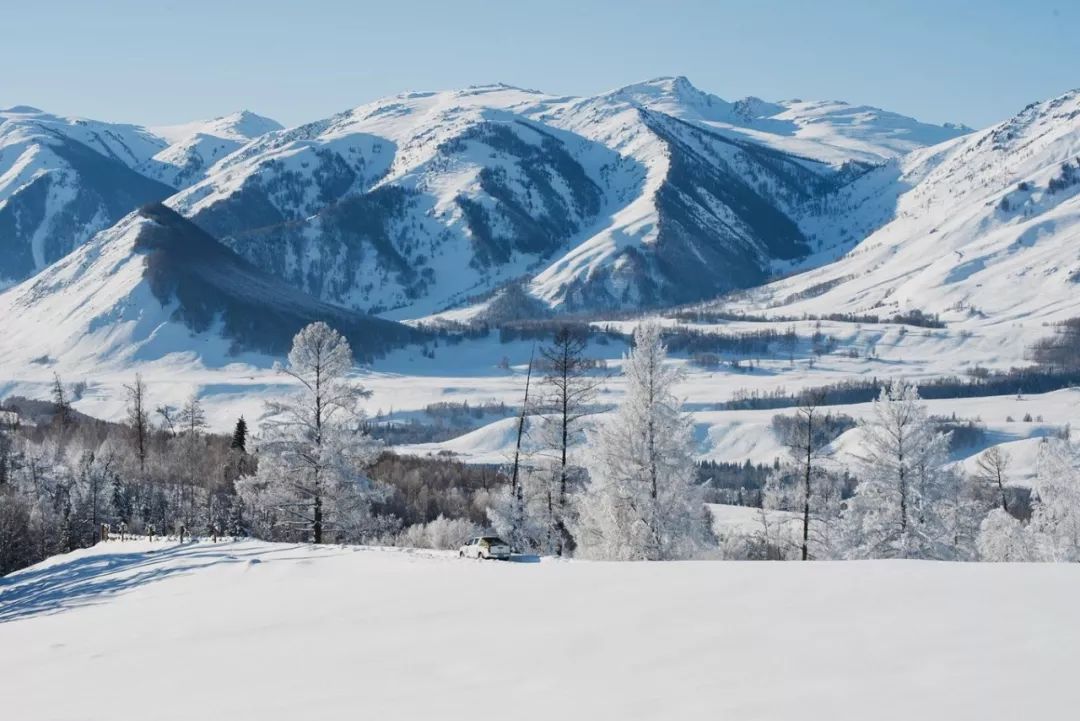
[493,541]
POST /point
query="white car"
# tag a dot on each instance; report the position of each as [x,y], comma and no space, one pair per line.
[486,547]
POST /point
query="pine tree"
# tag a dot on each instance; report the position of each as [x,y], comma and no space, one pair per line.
[314,452]
[62,411]
[239,437]
[641,501]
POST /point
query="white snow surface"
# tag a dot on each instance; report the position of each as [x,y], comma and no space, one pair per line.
[249,630]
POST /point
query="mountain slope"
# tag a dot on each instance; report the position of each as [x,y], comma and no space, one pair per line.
[155,285]
[984,229]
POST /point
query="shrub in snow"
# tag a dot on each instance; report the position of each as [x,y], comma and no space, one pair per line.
[441,534]
[536,528]
[641,501]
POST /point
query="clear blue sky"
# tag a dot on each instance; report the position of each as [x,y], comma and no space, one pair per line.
[162,61]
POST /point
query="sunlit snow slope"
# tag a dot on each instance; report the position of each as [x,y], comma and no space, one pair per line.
[985,230]
[259,631]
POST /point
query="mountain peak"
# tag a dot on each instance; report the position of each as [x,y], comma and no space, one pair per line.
[22,110]
[675,95]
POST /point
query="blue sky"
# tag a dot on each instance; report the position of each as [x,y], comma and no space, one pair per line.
[161,61]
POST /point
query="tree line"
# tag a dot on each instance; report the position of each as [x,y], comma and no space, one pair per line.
[623,486]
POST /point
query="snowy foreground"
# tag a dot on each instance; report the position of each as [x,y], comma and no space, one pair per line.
[252,630]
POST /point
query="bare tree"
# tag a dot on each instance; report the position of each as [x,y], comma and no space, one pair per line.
[991,468]
[169,418]
[192,424]
[138,420]
[569,390]
[804,484]
[517,493]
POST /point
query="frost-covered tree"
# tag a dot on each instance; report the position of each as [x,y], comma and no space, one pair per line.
[521,512]
[62,411]
[1003,537]
[892,514]
[314,451]
[1055,510]
[956,505]
[641,501]
[568,391]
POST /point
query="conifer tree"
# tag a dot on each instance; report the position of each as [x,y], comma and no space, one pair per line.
[641,501]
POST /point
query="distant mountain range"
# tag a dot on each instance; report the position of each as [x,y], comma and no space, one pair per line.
[651,195]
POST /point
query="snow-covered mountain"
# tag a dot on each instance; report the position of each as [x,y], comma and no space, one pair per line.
[830,130]
[154,285]
[643,196]
[194,147]
[981,229]
[63,179]
[649,195]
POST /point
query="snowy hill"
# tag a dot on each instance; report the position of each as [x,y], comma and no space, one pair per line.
[409,635]
[155,285]
[982,230]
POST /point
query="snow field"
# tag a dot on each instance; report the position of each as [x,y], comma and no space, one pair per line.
[250,630]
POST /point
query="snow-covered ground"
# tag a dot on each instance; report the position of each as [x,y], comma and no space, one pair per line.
[250,630]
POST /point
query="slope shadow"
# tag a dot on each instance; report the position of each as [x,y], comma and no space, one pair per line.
[94,579]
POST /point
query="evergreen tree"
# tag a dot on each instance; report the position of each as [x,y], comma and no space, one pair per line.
[239,437]
[62,411]
[641,501]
